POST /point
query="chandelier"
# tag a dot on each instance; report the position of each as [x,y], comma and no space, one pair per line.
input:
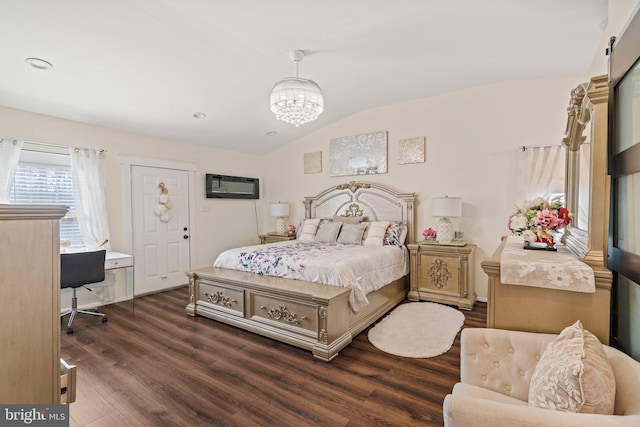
[295,100]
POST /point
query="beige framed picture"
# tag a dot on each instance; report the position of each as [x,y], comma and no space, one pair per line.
[412,150]
[313,162]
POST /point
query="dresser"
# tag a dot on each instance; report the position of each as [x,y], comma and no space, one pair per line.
[30,367]
[539,309]
[441,273]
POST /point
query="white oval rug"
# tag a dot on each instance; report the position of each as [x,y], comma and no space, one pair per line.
[417,329]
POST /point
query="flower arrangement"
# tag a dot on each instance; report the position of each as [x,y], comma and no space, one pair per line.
[163,208]
[291,229]
[538,219]
[429,234]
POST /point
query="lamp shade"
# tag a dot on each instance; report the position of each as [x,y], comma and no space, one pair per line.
[279,209]
[450,207]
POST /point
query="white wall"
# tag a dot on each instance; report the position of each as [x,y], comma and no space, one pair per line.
[472,139]
[620,13]
[219,224]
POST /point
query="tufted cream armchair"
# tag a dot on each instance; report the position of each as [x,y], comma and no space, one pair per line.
[495,370]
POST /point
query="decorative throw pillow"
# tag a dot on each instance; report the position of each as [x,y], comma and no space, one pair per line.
[328,232]
[375,233]
[574,375]
[351,234]
[394,233]
[308,229]
[349,219]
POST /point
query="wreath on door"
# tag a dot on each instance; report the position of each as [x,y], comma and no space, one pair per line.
[163,208]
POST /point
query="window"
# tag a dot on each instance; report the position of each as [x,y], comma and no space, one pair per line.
[45,178]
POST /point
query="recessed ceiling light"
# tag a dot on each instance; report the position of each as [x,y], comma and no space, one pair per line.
[38,63]
[199,115]
[271,133]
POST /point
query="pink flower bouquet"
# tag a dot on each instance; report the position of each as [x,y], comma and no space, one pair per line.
[429,234]
[538,220]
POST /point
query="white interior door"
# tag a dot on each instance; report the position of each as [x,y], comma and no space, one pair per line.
[160,246]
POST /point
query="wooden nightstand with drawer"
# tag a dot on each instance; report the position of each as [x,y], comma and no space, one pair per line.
[272,238]
[443,274]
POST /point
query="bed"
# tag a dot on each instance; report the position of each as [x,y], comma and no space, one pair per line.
[319,317]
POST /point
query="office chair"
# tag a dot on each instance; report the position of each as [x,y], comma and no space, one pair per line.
[80,269]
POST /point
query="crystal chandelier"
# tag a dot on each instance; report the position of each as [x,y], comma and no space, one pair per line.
[295,100]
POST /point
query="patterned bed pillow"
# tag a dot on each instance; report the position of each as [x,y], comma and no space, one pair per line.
[327,231]
[395,234]
[375,233]
[574,375]
[308,229]
[351,234]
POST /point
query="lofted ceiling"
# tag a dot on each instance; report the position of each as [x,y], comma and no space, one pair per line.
[147,66]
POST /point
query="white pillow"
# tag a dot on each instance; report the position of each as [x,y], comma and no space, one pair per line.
[375,233]
[574,375]
[309,229]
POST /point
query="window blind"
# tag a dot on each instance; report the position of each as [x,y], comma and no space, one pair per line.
[38,183]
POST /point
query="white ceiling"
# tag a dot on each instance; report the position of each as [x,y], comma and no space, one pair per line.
[146,66]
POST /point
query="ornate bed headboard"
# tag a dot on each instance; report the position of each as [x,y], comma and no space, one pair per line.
[363,199]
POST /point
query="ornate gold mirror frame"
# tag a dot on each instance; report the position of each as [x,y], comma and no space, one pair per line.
[587,237]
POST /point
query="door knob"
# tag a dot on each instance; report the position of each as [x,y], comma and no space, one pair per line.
[186,236]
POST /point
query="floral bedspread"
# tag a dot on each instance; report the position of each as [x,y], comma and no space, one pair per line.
[555,270]
[362,268]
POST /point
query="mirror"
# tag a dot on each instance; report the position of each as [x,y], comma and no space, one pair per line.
[587,190]
[577,190]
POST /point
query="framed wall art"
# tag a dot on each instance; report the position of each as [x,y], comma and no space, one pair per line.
[411,150]
[358,154]
[313,162]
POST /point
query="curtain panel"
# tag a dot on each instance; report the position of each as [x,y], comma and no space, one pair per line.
[9,156]
[87,171]
[542,172]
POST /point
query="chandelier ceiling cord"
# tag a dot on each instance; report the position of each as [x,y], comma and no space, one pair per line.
[295,100]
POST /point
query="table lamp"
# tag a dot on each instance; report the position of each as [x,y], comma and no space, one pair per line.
[280,211]
[445,207]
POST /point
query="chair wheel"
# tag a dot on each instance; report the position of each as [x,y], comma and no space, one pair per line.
[69,331]
[104,319]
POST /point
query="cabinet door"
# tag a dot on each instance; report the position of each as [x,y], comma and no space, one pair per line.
[440,274]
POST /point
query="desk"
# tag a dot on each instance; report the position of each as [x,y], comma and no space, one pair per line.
[117,287]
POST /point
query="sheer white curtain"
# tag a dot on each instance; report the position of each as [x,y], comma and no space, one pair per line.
[87,172]
[9,156]
[542,172]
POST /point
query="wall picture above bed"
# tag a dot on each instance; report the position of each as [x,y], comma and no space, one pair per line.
[313,162]
[411,150]
[358,154]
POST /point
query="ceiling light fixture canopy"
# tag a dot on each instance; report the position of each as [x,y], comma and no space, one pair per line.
[39,63]
[295,100]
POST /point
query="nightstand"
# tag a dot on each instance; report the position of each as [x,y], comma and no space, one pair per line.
[443,274]
[272,238]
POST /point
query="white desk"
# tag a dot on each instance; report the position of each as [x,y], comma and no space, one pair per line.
[117,260]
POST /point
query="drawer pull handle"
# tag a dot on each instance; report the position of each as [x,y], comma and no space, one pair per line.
[282,313]
[219,298]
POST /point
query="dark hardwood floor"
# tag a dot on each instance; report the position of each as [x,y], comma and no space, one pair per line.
[157,366]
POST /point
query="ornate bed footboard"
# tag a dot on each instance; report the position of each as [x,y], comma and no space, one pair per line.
[307,315]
